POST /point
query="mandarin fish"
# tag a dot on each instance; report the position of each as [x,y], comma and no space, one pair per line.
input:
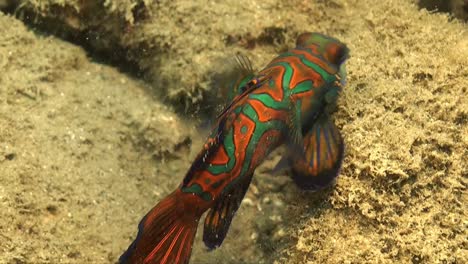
[278,105]
[323,144]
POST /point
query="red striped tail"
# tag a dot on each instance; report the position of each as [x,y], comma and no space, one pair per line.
[165,234]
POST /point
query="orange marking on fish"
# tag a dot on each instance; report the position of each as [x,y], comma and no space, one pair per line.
[320,62]
[315,159]
[301,74]
[306,104]
[242,140]
[264,141]
[323,150]
[223,215]
[215,219]
[220,158]
[265,116]
[156,249]
[171,246]
[275,73]
[181,247]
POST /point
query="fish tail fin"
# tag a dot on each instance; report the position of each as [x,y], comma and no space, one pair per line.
[165,234]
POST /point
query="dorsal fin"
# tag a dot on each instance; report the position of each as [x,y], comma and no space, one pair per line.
[247,88]
[236,83]
[244,65]
[209,148]
[238,73]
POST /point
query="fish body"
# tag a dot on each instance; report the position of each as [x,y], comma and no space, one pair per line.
[278,105]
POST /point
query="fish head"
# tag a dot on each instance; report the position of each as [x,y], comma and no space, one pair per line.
[333,50]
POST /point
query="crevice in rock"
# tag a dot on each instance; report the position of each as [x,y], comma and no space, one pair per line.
[66,24]
[456,8]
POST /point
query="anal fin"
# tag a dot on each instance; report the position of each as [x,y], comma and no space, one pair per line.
[219,218]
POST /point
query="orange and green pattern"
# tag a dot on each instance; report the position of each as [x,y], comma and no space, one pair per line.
[285,103]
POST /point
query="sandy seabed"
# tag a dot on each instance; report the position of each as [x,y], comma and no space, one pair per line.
[86,150]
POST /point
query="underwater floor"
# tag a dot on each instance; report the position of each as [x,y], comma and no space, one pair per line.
[87,148]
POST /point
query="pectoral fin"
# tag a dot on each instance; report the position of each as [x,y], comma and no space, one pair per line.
[219,217]
[295,141]
[324,151]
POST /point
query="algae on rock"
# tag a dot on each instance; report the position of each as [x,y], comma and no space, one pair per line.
[403,113]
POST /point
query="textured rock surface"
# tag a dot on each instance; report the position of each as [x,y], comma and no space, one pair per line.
[85,150]
[179,45]
[78,142]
